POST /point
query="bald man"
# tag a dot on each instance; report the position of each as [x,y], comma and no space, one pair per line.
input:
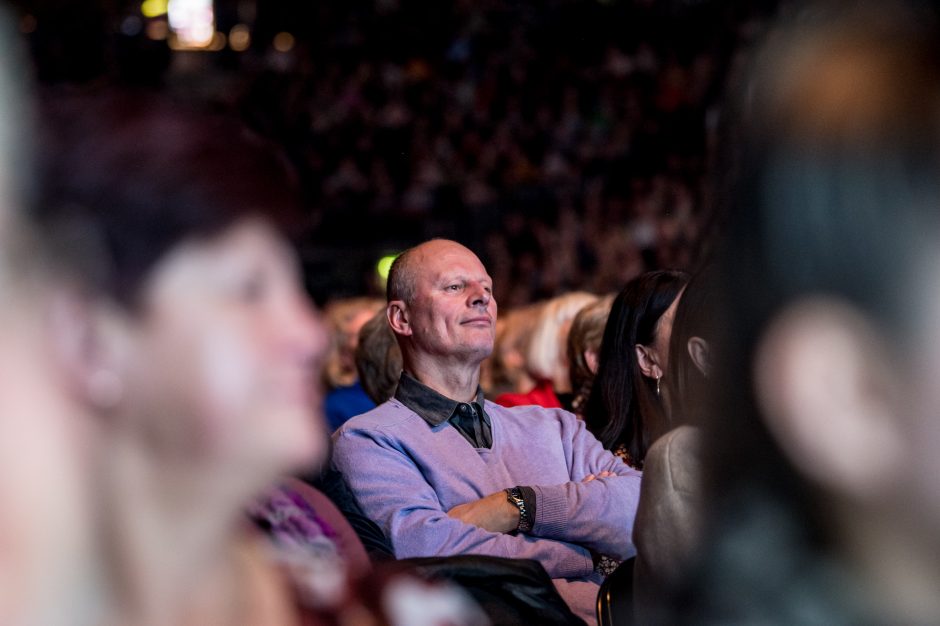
[445,472]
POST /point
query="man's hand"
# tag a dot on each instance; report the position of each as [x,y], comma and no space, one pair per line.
[591,477]
[493,513]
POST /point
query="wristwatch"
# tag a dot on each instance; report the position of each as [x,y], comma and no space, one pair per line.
[514,495]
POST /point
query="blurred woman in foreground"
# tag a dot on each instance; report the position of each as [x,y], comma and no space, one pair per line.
[824,445]
[200,353]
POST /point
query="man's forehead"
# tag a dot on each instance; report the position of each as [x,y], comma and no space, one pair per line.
[450,261]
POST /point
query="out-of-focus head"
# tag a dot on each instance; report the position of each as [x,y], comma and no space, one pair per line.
[584,344]
[346,317]
[206,346]
[441,303]
[505,371]
[624,407]
[378,359]
[547,353]
[831,277]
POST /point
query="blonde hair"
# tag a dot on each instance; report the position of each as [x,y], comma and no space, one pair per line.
[505,370]
[586,334]
[546,357]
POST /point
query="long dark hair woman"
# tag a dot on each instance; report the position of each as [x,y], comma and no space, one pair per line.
[625,409]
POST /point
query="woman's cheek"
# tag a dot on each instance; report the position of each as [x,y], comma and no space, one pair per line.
[228,379]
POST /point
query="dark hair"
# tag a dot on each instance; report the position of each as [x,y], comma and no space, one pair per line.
[623,408]
[134,174]
[688,390]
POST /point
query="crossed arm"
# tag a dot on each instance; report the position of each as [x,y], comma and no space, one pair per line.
[592,512]
[495,513]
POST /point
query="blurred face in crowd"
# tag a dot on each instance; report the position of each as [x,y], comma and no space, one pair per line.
[222,359]
[453,313]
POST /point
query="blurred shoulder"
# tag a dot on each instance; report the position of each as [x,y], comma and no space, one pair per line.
[677,456]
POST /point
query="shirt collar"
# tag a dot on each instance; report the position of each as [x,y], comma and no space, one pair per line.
[433,407]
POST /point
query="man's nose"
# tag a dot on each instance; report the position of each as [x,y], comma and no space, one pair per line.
[479,295]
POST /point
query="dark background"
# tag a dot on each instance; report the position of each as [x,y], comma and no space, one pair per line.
[568,143]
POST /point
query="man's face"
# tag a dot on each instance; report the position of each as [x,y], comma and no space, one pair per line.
[453,313]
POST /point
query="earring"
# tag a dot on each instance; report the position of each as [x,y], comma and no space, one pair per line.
[658,378]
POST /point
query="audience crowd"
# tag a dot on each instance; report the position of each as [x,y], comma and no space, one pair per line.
[598,389]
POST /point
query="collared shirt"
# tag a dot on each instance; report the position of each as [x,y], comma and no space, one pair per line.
[468,418]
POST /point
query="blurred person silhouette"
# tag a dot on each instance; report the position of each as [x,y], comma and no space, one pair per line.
[546,356]
[823,443]
[625,409]
[504,371]
[378,359]
[48,568]
[584,346]
[345,395]
[200,345]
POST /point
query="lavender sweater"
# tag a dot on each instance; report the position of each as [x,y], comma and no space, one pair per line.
[407,475]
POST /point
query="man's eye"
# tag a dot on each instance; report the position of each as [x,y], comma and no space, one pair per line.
[453,287]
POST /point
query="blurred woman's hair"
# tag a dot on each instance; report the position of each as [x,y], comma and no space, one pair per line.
[378,359]
[546,356]
[624,408]
[128,175]
[587,331]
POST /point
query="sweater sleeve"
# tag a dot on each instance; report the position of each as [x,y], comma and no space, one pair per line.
[598,514]
[392,490]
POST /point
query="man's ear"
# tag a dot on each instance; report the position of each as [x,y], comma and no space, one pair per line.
[398,317]
[647,362]
[700,354]
[829,398]
[84,351]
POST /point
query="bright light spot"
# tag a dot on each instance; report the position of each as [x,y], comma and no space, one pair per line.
[239,38]
[193,21]
[384,265]
[283,42]
[28,24]
[154,8]
[157,30]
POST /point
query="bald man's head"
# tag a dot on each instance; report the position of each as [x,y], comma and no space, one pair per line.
[403,275]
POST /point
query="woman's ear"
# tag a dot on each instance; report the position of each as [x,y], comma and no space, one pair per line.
[398,318]
[829,399]
[700,354]
[84,354]
[592,360]
[647,362]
